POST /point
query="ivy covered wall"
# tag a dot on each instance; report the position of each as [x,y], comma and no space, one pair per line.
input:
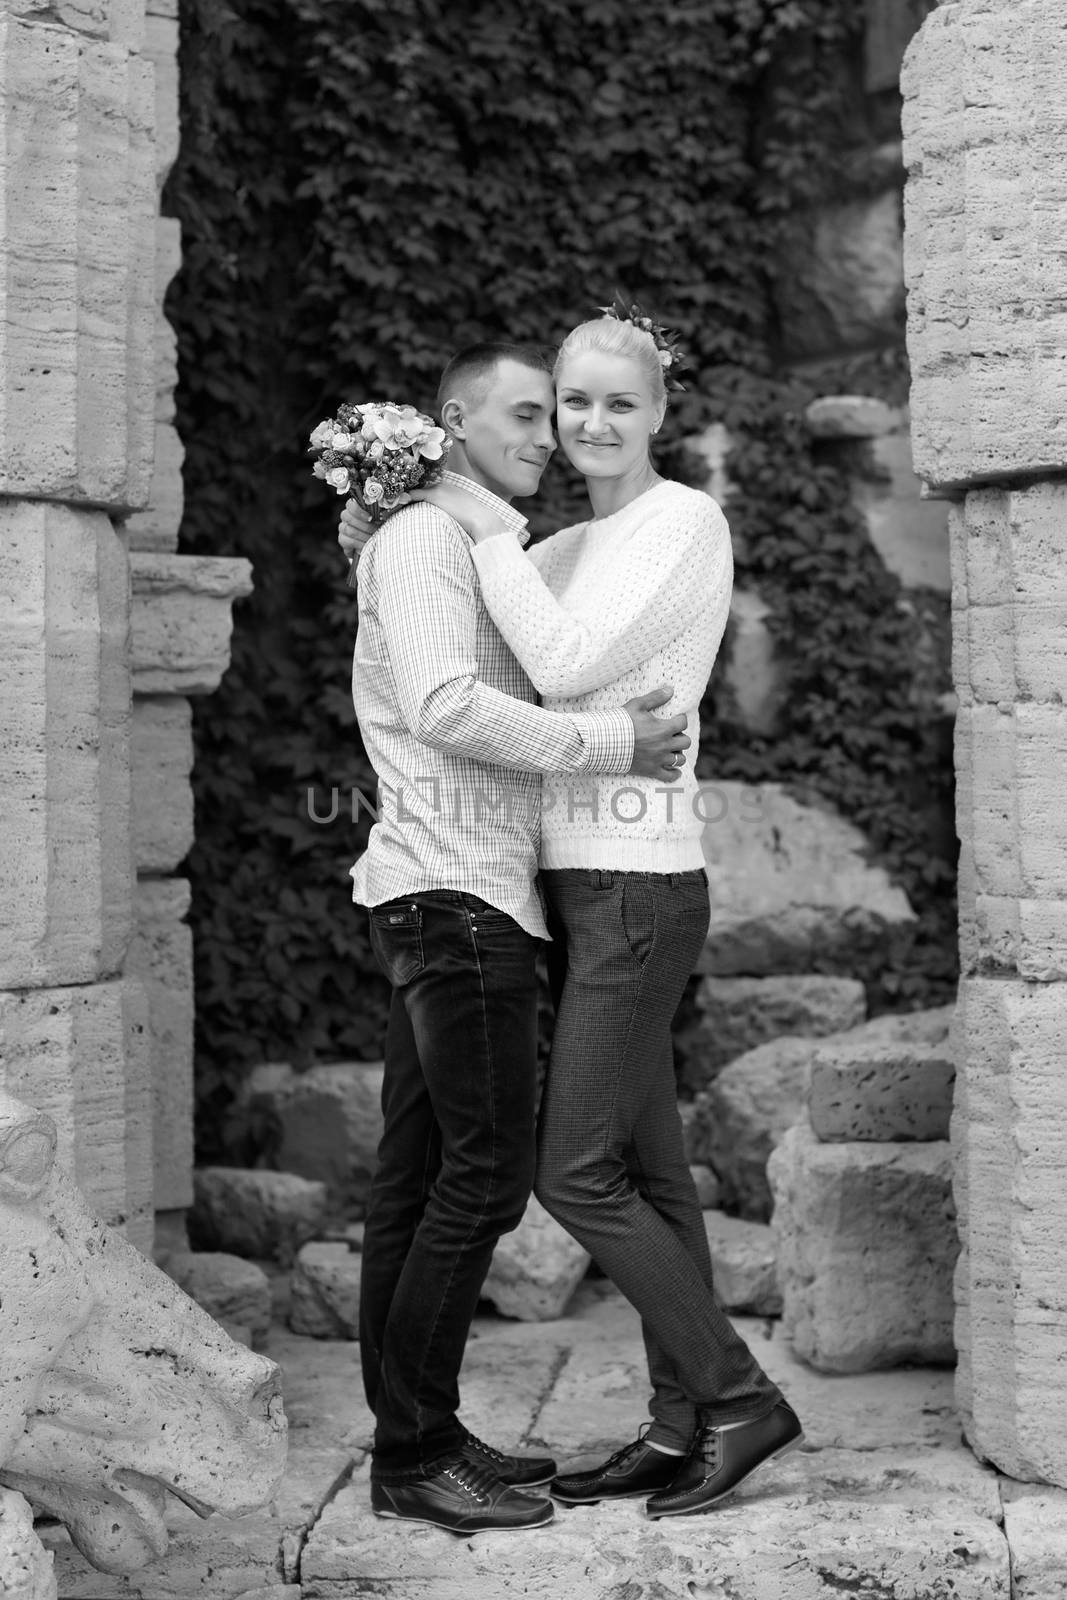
[365,186]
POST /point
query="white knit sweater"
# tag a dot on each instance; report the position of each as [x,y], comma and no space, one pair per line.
[599,613]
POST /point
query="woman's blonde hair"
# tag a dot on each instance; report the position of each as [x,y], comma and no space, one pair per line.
[612,337]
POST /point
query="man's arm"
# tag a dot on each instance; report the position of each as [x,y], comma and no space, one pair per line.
[428,605]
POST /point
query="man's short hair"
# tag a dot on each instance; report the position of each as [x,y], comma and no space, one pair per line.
[470,371]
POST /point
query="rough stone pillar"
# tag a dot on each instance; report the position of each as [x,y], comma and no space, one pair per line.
[76,379]
[986,148]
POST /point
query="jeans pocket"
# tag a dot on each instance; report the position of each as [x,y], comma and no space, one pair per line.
[396,939]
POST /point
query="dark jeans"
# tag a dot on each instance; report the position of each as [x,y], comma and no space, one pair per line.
[456,1159]
[611,1165]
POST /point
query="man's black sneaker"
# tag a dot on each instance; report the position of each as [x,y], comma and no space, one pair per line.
[461,1496]
[634,1470]
[520,1472]
[721,1458]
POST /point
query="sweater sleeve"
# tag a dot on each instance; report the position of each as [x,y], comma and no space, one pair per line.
[676,564]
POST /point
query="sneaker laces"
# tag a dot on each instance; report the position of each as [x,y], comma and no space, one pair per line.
[472,1477]
[486,1450]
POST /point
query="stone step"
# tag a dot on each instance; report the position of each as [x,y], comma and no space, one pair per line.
[816,1525]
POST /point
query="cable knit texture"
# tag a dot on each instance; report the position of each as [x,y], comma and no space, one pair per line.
[599,613]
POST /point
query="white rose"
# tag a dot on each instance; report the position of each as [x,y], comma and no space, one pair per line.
[322,435]
[338,478]
[372,491]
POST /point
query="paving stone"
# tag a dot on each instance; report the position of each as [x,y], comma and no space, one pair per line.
[870,1090]
[220,1558]
[535,1269]
[771,1545]
[867,1245]
[228,1288]
[268,1215]
[743,1262]
[324,1301]
[1035,1523]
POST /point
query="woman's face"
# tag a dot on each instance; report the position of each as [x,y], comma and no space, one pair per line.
[604,413]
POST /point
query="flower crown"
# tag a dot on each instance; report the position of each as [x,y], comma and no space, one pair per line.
[671,355]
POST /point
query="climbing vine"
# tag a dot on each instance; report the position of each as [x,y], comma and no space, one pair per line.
[363,187]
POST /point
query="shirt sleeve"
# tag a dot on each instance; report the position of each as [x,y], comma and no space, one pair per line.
[428,605]
[667,574]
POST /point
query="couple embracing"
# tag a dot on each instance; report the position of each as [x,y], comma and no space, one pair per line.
[527,790]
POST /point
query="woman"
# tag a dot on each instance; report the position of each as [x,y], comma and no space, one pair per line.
[635,597]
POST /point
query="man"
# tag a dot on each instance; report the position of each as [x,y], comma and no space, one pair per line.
[452,727]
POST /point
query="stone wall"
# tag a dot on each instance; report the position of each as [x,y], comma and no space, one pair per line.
[986,150]
[104,632]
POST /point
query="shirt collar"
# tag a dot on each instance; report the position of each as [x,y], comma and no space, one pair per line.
[513,520]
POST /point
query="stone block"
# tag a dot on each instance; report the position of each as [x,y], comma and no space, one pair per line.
[161,956]
[81,1056]
[161,48]
[884,1092]
[745,1111]
[162,759]
[744,1265]
[324,1291]
[26,1568]
[759,1096]
[850,416]
[985,261]
[909,532]
[1009,759]
[1010,1160]
[1035,1525]
[76,342]
[88,17]
[181,620]
[737,1014]
[840,285]
[707,1186]
[792,888]
[263,1214]
[866,1242]
[324,1123]
[1009,549]
[535,1269]
[65,870]
[228,1288]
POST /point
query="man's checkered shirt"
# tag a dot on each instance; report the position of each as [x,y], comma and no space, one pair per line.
[450,724]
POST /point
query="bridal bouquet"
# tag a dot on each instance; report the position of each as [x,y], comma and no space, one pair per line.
[378,452]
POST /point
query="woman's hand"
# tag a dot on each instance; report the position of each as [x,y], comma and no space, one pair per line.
[479,521]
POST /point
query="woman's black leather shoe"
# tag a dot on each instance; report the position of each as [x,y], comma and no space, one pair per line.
[636,1469]
[720,1459]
